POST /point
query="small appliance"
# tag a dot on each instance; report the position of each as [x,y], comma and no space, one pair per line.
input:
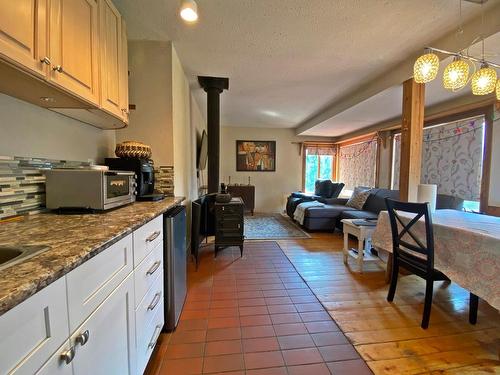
[144,170]
[88,189]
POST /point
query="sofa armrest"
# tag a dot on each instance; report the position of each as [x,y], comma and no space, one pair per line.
[339,201]
[304,196]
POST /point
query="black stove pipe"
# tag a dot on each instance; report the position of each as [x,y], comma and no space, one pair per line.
[213,86]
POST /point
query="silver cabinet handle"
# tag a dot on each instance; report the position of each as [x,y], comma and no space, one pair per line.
[68,355]
[153,236]
[153,268]
[83,338]
[152,343]
[155,301]
[57,68]
[45,60]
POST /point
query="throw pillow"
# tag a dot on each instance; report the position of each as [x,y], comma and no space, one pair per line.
[358,198]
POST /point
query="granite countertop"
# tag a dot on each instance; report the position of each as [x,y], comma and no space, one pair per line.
[71,239]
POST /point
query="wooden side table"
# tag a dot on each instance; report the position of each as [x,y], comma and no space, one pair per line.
[246,193]
[362,233]
[229,229]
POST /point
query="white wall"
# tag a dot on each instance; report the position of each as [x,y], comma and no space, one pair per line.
[150,89]
[28,130]
[182,145]
[494,194]
[270,187]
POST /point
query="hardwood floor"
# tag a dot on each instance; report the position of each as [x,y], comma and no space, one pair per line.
[387,336]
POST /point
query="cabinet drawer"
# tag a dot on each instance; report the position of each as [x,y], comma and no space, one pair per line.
[147,272]
[146,238]
[150,305]
[94,280]
[230,209]
[32,331]
[232,224]
[147,339]
[230,217]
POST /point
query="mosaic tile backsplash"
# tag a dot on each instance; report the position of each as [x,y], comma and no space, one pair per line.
[22,183]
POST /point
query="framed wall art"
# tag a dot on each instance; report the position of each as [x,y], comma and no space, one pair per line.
[256,156]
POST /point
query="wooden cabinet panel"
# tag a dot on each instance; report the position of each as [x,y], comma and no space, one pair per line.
[111,55]
[32,331]
[109,347]
[74,47]
[124,75]
[23,32]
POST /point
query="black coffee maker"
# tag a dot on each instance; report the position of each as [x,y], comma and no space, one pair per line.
[144,170]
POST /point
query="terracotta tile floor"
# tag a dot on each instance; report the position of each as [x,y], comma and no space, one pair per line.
[253,315]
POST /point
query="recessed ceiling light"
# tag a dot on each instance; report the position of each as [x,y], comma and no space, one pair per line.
[189,11]
[47,99]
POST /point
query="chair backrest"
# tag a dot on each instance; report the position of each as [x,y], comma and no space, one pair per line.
[418,253]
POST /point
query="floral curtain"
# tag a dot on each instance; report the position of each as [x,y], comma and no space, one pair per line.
[319,149]
[452,157]
[357,164]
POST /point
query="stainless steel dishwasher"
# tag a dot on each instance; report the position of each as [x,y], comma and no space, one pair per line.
[175,263]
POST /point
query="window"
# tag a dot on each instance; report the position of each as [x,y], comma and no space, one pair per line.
[319,163]
[452,159]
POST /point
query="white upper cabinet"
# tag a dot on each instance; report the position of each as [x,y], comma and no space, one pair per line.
[23,32]
[73,47]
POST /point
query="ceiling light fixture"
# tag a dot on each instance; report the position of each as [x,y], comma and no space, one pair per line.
[426,67]
[484,80]
[456,74]
[189,11]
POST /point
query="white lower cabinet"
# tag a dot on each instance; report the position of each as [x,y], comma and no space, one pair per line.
[91,321]
[105,342]
[60,362]
[33,330]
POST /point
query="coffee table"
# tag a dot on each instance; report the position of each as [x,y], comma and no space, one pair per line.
[363,233]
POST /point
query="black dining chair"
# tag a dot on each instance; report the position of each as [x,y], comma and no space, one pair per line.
[417,256]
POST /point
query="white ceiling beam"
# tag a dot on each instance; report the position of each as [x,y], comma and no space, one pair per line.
[398,74]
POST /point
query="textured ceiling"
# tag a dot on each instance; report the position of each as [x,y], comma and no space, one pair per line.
[387,104]
[287,59]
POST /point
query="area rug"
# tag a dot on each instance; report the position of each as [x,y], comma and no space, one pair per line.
[271,227]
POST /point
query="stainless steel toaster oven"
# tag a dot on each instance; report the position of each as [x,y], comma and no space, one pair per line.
[89,189]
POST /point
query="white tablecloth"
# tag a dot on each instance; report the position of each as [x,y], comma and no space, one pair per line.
[466,249]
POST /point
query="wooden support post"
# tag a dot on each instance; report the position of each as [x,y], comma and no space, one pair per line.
[411,139]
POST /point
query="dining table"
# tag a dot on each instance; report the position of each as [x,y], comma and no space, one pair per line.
[466,248]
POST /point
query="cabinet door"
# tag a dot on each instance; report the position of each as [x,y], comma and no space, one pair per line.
[74,47]
[124,74]
[33,330]
[105,342]
[111,55]
[23,33]
[59,363]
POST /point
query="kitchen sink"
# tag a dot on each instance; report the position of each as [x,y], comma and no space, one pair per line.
[10,255]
